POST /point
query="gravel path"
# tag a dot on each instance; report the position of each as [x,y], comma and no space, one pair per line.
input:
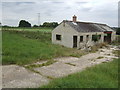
[14,76]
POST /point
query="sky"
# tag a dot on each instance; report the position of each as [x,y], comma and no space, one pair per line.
[98,11]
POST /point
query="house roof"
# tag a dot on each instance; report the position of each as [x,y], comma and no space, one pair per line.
[88,26]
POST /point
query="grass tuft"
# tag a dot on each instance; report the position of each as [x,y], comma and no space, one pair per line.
[70,64]
[100,57]
[104,75]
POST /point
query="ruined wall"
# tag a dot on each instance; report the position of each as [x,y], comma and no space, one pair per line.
[67,33]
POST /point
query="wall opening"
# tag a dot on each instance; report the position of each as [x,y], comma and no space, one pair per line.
[81,38]
[58,37]
[107,37]
[74,41]
[87,38]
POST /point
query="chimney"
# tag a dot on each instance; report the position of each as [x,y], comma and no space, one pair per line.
[74,19]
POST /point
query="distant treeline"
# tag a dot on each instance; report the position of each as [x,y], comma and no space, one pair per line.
[24,23]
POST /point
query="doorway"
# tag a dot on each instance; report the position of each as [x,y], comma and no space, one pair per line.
[107,37]
[74,41]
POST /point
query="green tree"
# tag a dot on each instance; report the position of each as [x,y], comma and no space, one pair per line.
[50,24]
[35,25]
[24,23]
[118,31]
[55,24]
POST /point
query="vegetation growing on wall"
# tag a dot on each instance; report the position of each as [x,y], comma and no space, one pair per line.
[95,38]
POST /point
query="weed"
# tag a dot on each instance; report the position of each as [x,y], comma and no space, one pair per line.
[93,60]
[97,46]
[70,64]
[100,57]
[49,77]
[108,54]
[116,52]
[49,62]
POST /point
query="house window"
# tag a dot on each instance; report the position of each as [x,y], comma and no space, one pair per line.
[81,38]
[58,37]
[87,38]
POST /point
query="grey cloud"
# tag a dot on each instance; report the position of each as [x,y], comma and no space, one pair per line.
[57,10]
[86,9]
[79,3]
[57,2]
[67,7]
[21,3]
[119,14]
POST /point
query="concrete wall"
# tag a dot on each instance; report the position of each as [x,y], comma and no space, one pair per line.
[66,33]
[88,43]
[113,36]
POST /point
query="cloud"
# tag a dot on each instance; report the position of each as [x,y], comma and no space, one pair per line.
[119,14]
[103,11]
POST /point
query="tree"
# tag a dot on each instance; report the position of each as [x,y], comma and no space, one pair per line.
[118,31]
[35,25]
[46,24]
[50,24]
[24,23]
[54,24]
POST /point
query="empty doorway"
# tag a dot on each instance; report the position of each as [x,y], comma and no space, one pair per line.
[74,41]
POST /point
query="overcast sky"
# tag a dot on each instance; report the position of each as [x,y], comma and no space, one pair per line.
[99,11]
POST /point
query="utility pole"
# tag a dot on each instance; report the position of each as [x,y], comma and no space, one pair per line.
[38,19]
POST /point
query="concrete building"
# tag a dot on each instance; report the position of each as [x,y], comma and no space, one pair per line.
[75,34]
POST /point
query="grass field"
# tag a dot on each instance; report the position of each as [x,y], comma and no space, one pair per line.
[104,75]
[24,47]
[49,30]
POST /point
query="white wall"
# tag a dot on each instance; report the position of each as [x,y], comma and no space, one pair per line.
[113,36]
[66,33]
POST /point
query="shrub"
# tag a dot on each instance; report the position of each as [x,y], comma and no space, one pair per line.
[95,38]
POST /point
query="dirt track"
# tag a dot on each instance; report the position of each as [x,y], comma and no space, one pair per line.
[14,76]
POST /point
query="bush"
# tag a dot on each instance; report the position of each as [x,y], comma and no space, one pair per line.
[95,38]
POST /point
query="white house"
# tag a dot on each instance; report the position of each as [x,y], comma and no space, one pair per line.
[75,34]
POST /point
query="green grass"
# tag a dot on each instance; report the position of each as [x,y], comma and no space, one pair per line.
[34,29]
[40,65]
[25,47]
[104,75]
